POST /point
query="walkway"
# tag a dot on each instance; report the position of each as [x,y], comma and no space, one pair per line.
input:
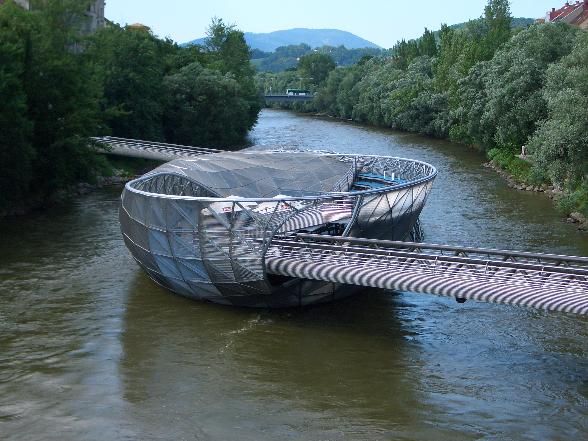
[150,150]
[541,281]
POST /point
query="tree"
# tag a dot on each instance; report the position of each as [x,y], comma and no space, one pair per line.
[63,96]
[216,34]
[316,66]
[204,107]
[232,56]
[16,151]
[427,44]
[372,92]
[500,101]
[412,103]
[132,63]
[498,20]
[404,52]
[560,145]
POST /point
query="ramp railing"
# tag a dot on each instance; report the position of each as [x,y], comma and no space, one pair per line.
[542,281]
[150,150]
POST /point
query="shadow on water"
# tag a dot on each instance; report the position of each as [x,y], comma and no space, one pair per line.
[333,368]
[376,365]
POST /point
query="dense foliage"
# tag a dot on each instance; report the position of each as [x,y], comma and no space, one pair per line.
[286,57]
[50,101]
[59,87]
[485,84]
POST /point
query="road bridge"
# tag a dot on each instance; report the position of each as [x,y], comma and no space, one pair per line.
[278,98]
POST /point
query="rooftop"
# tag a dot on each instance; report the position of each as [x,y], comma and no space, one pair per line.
[262,174]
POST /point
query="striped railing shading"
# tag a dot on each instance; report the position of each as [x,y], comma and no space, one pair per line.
[541,281]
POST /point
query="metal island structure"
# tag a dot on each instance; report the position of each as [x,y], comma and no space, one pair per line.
[282,228]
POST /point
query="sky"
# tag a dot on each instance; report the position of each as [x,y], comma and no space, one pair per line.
[382,22]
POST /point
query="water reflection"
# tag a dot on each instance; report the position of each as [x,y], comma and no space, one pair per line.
[377,364]
[350,363]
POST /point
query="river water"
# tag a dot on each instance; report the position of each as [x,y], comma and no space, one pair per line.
[91,349]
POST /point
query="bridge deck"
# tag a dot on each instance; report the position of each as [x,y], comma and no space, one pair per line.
[150,150]
[542,281]
[275,98]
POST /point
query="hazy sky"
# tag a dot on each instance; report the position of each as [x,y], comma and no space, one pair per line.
[380,21]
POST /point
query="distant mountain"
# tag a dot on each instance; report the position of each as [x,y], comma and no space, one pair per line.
[268,42]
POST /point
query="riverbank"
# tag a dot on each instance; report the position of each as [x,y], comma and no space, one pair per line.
[572,216]
[553,193]
[42,202]
[117,172]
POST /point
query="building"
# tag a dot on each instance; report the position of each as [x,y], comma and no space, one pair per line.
[23,3]
[575,14]
[95,14]
[138,27]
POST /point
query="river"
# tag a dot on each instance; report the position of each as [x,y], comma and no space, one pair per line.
[91,349]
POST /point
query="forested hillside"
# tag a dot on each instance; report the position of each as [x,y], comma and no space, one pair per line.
[286,57]
[59,88]
[270,41]
[485,85]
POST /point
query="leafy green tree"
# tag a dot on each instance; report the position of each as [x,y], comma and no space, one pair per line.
[372,92]
[404,52]
[427,44]
[326,99]
[469,108]
[204,107]
[132,64]
[16,152]
[413,105]
[316,66]
[514,82]
[229,49]
[230,55]
[560,145]
[500,101]
[461,49]
[63,96]
[348,94]
[498,21]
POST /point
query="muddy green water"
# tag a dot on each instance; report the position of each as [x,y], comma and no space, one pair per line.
[91,349]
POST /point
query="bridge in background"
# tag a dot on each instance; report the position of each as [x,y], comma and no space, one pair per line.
[542,281]
[278,98]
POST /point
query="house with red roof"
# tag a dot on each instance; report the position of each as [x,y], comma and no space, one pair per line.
[575,14]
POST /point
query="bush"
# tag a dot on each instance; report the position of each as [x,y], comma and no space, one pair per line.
[576,200]
[520,170]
